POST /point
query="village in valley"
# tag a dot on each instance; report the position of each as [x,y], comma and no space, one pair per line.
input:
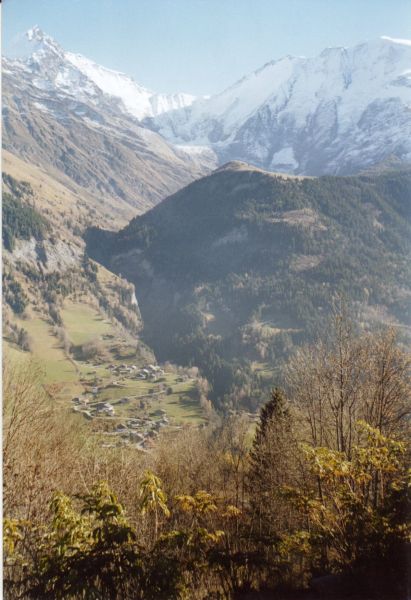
[108,378]
[137,418]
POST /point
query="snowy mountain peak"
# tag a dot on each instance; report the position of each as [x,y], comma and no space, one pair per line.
[35,33]
[401,42]
[80,76]
[337,112]
[34,44]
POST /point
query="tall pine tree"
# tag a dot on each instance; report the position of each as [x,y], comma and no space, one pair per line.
[272,465]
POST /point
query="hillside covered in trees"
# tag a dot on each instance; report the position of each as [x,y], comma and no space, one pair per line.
[239,267]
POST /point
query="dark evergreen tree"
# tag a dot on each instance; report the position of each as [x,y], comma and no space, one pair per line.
[271,466]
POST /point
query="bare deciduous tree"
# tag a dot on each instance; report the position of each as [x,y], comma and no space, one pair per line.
[346,377]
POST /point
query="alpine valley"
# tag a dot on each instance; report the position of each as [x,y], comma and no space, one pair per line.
[206,321]
[235,265]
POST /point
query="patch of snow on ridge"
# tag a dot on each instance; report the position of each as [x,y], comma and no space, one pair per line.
[396,40]
[284,158]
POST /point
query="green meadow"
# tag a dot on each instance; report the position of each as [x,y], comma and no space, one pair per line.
[66,377]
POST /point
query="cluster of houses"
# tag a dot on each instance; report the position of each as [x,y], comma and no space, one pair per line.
[150,372]
[135,430]
[89,408]
[147,372]
[140,432]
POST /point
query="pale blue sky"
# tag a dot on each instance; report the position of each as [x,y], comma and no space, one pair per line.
[202,46]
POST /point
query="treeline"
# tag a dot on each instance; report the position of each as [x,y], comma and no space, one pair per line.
[318,489]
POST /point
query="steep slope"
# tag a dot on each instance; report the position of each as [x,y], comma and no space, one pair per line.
[55,115]
[136,99]
[60,198]
[337,113]
[43,247]
[242,264]
[76,74]
[79,322]
[47,275]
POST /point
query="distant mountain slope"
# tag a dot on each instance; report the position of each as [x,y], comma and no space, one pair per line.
[137,100]
[242,264]
[43,248]
[55,115]
[75,74]
[47,273]
[337,113]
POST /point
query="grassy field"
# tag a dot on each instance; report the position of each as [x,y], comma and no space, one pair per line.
[45,348]
[265,370]
[66,378]
[12,353]
[181,405]
[83,323]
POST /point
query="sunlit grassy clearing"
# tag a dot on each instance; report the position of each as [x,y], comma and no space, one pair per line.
[83,323]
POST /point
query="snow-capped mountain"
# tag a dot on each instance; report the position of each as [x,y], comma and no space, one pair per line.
[138,101]
[57,116]
[75,74]
[337,113]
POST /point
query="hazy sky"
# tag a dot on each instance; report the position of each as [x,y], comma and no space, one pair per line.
[202,46]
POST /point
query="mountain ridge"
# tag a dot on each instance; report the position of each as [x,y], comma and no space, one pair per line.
[242,265]
[336,113]
[138,101]
[55,116]
[340,112]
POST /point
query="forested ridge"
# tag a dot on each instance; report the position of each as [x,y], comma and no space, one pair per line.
[243,265]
